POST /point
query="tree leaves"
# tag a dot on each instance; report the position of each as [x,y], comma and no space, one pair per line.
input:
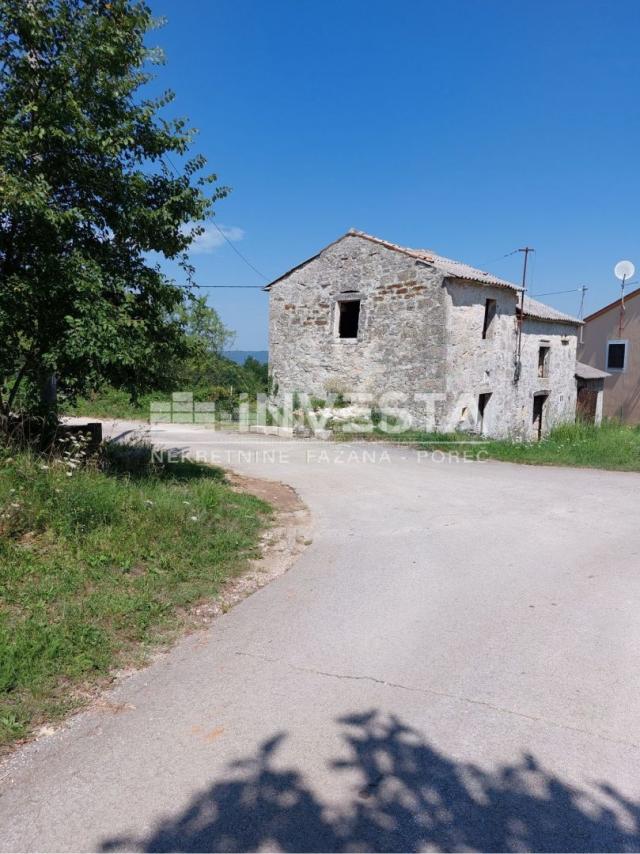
[85,194]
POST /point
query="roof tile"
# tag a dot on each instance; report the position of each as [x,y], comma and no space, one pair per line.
[533,308]
[453,269]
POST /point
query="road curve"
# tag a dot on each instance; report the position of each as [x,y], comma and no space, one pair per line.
[452,664]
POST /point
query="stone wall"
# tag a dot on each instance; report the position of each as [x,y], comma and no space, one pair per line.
[400,345]
[476,365]
[560,385]
[419,333]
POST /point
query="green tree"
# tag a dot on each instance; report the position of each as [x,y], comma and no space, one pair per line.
[206,371]
[87,192]
[257,374]
[206,337]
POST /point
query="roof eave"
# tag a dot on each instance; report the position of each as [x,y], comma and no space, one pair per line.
[615,304]
[588,372]
[469,281]
[568,321]
[427,259]
[351,233]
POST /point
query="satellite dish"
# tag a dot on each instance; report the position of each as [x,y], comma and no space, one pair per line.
[624,270]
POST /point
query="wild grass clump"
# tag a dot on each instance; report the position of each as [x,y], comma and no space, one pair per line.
[100,560]
[612,445]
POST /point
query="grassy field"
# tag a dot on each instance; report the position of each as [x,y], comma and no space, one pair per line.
[611,446]
[113,403]
[96,567]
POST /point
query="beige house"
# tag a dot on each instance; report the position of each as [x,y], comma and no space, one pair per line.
[611,342]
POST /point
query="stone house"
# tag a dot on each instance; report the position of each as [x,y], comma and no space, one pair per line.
[446,341]
[611,344]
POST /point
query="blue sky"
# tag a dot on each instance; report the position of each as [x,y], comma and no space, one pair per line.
[470,128]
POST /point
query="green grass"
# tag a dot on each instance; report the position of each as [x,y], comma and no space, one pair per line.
[97,567]
[612,446]
[113,403]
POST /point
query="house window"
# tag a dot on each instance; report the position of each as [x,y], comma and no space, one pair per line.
[348,318]
[489,314]
[543,361]
[617,355]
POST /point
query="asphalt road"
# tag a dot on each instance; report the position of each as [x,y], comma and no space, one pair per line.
[452,664]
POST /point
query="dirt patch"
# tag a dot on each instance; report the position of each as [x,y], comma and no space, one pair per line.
[281,496]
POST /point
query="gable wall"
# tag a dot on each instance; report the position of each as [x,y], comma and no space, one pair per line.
[400,346]
[621,389]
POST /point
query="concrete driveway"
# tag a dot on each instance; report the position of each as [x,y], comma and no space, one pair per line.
[453,664]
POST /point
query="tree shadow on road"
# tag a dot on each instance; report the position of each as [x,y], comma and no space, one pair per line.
[411,798]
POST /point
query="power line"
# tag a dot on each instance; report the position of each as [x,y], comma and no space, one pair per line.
[222,234]
[495,260]
[556,293]
[240,255]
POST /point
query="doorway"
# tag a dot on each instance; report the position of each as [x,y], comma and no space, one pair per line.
[587,404]
[539,405]
[483,400]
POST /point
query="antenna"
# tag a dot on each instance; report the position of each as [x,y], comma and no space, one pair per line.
[526,251]
[623,270]
[583,290]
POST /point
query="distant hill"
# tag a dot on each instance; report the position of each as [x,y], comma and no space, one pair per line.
[240,355]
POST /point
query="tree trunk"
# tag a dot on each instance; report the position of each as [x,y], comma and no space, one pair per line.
[49,394]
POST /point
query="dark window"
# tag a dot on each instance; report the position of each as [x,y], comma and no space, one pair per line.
[348,318]
[489,314]
[616,355]
[543,361]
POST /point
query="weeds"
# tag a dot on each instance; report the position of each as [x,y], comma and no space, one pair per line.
[611,446]
[100,559]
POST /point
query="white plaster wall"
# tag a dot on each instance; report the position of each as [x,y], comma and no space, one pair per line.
[476,365]
[560,385]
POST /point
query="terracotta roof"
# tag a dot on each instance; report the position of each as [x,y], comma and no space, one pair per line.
[454,269]
[540,311]
[614,304]
[588,372]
